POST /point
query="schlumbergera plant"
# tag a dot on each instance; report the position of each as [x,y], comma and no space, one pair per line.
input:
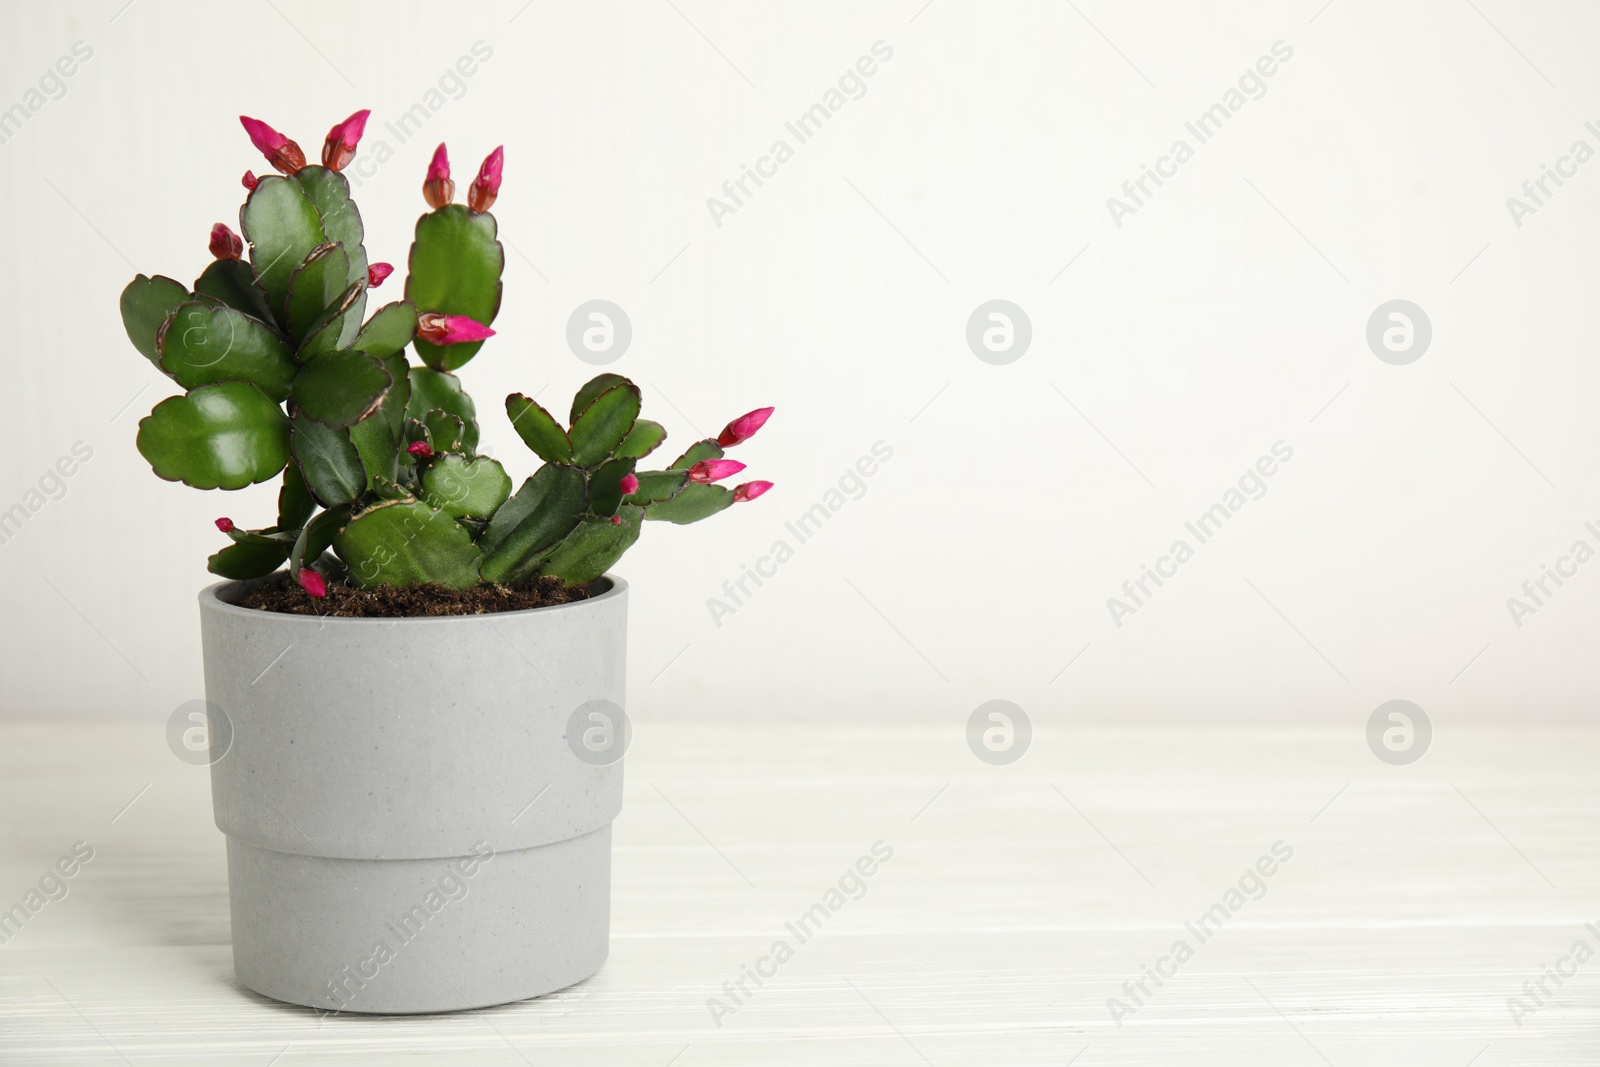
[382,483]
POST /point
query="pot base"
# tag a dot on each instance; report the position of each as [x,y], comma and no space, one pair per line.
[418,936]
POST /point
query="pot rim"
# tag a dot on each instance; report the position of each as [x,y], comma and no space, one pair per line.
[211,599]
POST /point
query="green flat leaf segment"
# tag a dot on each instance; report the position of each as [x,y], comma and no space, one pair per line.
[399,543]
[455,268]
[283,227]
[465,488]
[329,462]
[203,343]
[602,426]
[593,547]
[538,429]
[223,436]
[146,304]
[342,388]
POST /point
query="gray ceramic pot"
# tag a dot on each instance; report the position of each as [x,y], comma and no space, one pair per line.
[418,811]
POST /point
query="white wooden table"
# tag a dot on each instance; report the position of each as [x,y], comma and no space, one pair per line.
[1019,899]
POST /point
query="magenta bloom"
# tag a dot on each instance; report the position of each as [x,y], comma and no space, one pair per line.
[629,484]
[420,449]
[312,582]
[749,490]
[225,524]
[440,329]
[282,153]
[486,186]
[250,181]
[714,470]
[744,427]
[340,147]
[377,273]
[225,244]
[437,189]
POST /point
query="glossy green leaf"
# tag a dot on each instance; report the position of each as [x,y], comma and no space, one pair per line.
[329,462]
[594,547]
[234,283]
[248,560]
[223,436]
[342,388]
[658,485]
[444,430]
[591,392]
[203,343]
[378,448]
[317,537]
[282,226]
[397,543]
[146,304]
[603,425]
[643,439]
[465,488]
[455,269]
[315,287]
[532,522]
[389,330]
[399,398]
[327,334]
[377,437]
[438,389]
[294,499]
[538,429]
[605,485]
[694,503]
[330,194]
[700,450]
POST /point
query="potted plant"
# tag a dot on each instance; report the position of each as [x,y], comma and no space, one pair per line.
[415,675]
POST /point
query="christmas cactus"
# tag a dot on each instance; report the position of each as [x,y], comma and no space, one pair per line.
[286,376]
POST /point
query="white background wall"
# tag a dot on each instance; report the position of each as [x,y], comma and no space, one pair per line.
[1225,315]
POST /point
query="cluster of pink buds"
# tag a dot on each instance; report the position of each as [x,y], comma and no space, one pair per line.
[225,244]
[439,190]
[285,156]
[736,432]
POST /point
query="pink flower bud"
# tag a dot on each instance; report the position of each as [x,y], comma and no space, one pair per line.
[420,449]
[250,181]
[749,490]
[340,147]
[743,428]
[437,329]
[486,186]
[377,273]
[312,582]
[616,520]
[438,190]
[629,484]
[225,524]
[225,244]
[714,470]
[281,152]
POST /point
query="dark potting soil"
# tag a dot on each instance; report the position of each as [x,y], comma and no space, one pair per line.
[282,594]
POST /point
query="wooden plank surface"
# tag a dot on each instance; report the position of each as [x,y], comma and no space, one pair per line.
[1017,902]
